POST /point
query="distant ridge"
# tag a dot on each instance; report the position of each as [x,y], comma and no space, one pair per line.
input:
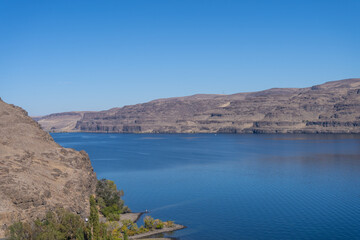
[332,107]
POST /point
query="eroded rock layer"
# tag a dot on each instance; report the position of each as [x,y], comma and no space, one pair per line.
[37,174]
[333,107]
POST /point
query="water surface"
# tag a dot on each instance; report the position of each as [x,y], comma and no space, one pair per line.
[235,186]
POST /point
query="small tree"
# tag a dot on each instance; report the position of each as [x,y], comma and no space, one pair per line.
[108,198]
[170,223]
[57,224]
[19,231]
[159,224]
[126,237]
[149,222]
[94,219]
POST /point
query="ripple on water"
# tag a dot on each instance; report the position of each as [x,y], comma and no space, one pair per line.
[235,186]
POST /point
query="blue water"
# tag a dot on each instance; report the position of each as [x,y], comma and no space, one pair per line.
[235,186]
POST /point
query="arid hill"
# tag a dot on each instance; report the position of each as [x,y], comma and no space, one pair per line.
[65,121]
[37,174]
[333,107]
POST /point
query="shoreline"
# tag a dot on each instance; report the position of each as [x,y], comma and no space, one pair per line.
[223,133]
[176,227]
[134,217]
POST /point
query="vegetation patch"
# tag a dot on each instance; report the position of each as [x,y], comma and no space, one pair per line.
[61,224]
[108,198]
[57,224]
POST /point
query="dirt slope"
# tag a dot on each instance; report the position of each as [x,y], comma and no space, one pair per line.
[36,174]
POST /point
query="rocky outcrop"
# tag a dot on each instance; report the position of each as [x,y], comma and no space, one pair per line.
[333,107]
[56,122]
[37,174]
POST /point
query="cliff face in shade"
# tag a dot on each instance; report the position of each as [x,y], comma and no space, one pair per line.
[37,174]
[333,107]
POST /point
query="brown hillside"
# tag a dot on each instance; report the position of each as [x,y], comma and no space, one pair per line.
[36,174]
[333,107]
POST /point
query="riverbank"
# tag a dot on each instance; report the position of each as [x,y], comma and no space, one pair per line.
[134,217]
[158,231]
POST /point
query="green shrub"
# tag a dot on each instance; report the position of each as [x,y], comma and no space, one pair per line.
[94,219]
[109,200]
[133,227]
[107,190]
[149,222]
[114,230]
[126,209]
[113,217]
[126,222]
[59,224]
[126,236]
[152,224]
[159,224]
[169,223]
[19,231]
[142,229]
[113,212]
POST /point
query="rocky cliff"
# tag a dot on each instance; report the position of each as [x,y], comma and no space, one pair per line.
[333,107]
[36,174]
[65,122]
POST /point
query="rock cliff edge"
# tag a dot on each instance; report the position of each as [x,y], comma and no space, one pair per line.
[37,174]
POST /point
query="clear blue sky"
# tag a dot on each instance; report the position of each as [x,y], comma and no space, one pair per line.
[68,55]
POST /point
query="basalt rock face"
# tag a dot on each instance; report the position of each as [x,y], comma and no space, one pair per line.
[37,174]
[333,107]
